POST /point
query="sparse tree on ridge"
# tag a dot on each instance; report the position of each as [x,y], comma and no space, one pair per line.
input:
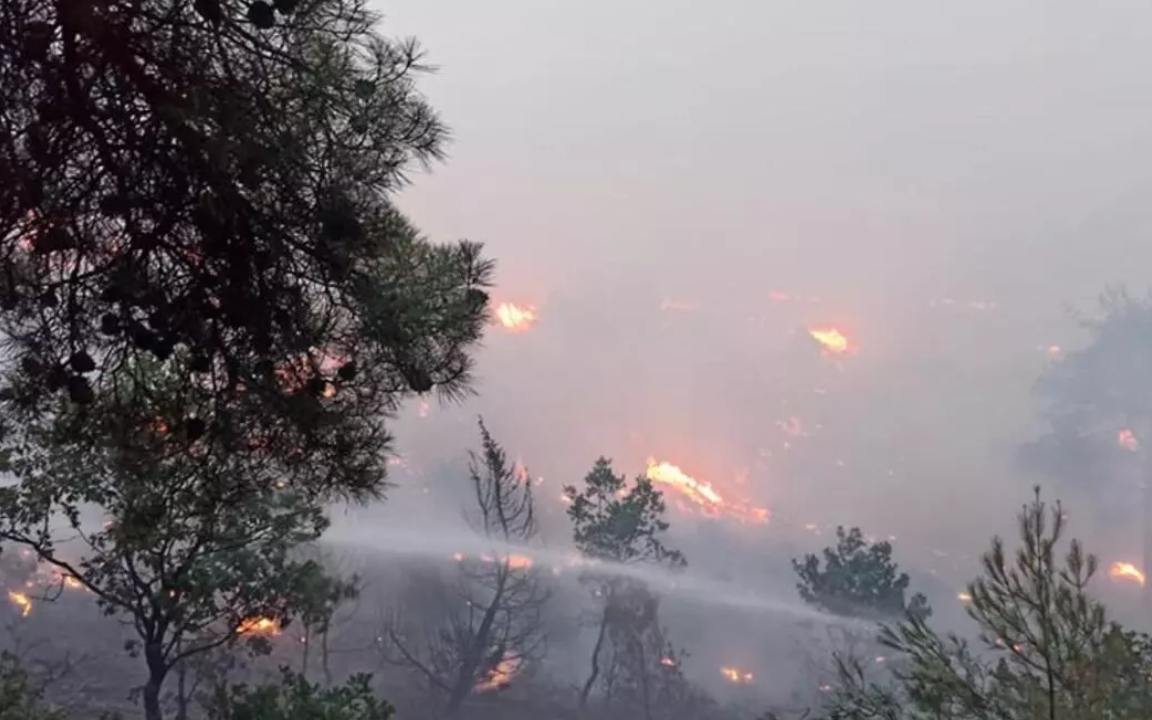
[1049,650]
[858,579]
[496,632]
[1099,412]
[615,523]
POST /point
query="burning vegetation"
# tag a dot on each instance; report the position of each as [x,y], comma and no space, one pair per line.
[515,318]
[832,341]
[1126,571]
[701,494]
[736,675]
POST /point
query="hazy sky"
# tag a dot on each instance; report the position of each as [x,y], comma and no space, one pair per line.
[874,146]
[881,155]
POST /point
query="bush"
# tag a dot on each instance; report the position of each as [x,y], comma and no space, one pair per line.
[294,698]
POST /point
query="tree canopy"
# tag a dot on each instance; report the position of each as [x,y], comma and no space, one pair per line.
[208,184]
[858,579]
[1047,649]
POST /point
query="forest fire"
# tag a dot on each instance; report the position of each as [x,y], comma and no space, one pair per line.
[701,493]
[21,601]
[736,675]
[514,318]
[831,340]
[499,678]
[258,626]
[1126,571]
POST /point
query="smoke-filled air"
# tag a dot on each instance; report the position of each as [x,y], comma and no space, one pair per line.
[386,359]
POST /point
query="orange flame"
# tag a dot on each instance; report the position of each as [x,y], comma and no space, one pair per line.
[21,601]
[1127,440]
[499,678]
[832,340]
[701,493]
[964,597]
[515,318]
[667,662]
[259,626]
[736,675]
[515,562]
[1126,571]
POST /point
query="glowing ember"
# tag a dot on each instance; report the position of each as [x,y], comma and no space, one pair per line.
[1127,440]
[667,662]
[259,626]
[964,597]
[499,678]
[1126,571]
[21,601]
[832,340]
[515,318]
[701,493]
[736,675]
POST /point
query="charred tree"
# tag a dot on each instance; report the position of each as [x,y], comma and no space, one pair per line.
[499,632]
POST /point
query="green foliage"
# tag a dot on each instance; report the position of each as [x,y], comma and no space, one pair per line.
[194,539]
[320,595]
[294,698]
[20,697]
[619,524]
[612,522]
[1048,648]
[858,579]
[236,221]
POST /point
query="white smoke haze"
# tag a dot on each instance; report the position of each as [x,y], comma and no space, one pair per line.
[680,193]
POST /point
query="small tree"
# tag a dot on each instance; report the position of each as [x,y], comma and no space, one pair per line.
[193,542]
[499,631]
[617,524]
[858,579]
[1049,649]
[21,696]
[321,596]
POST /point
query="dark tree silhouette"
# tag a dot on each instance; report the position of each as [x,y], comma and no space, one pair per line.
[208,182]
[858,579]
[497,632]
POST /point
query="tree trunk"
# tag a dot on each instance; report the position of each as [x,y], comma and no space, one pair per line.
[645,693]
[324,656]
[595,673]
[307,647]
[181,692]
[157,669]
